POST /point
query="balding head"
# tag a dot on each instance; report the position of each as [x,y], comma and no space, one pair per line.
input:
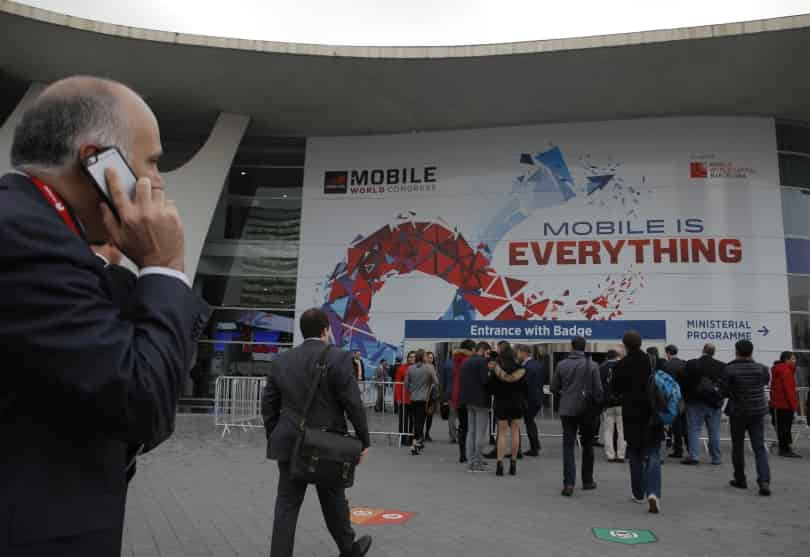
[75,118]
[69,114]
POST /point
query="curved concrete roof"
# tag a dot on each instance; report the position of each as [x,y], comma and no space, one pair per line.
[751,68]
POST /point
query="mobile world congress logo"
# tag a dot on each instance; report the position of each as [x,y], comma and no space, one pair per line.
[718,169]
[379,181]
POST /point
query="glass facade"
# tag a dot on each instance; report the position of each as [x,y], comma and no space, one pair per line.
[249,263]
[793,140]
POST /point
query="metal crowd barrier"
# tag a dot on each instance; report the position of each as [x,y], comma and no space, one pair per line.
[238,402]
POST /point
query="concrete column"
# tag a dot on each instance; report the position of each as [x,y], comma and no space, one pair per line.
[196,186]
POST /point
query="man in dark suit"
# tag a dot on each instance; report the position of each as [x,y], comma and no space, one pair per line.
[283,401]
[536,378]
[81,383]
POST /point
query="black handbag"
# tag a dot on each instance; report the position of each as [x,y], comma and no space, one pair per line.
[322,456]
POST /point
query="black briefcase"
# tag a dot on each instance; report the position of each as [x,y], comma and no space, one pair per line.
[322,456]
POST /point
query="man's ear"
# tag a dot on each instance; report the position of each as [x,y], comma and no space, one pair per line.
[86,151]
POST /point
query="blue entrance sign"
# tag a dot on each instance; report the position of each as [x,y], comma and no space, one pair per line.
[533,330]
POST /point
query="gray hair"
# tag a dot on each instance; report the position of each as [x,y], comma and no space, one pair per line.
[52,131]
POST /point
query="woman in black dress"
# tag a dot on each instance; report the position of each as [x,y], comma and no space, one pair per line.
[510,389]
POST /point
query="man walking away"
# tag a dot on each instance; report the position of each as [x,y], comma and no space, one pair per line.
[474,396]
[642,429]
[675,367]
[579,388]
[785,401]
[703,387]
[747,408]
[535,379]
[338,396]
[612,422]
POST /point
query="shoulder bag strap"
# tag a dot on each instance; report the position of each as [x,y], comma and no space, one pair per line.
[320,370]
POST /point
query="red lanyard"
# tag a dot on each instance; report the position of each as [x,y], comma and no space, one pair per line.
[56,202]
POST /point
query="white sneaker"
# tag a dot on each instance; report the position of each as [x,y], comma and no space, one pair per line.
[636,501]
[655,504]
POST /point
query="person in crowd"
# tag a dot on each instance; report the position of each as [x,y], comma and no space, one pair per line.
[419,381]
[510,391]
[642,431]
[612,418]
[106,383]
[493,453]
[392,371]
[460,355]
[535,379]
[283,398]
[579,388]
[702,386]
[675,366]
[446,379]
[430,358]
[473,395]
[747,408]
[402,400]
[381,377]
[784,401]
[359,366]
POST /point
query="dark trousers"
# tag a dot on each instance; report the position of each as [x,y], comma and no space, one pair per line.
[405,424]
[531,429]
[680,434]
[291,493]
[572,425]
[463,424]
[784,422]
[755,427]
[419,417]
[428,424]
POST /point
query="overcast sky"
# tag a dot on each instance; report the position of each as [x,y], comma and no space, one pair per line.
[418,22]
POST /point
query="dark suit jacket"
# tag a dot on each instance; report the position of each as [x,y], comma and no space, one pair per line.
[284,397]
[535,378]
[80,383]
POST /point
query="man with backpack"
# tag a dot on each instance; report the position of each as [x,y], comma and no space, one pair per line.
[703,388]
[612,422]
[747,408]
[643,431]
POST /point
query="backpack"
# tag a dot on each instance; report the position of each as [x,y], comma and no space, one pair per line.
[665,398]
[611,399]
[708,391]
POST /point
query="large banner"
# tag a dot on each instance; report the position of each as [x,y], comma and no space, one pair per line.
[669,226]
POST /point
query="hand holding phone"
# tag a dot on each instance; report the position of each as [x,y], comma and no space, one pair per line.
[147,228]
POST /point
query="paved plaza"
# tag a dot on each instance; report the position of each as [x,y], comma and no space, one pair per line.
[200,494]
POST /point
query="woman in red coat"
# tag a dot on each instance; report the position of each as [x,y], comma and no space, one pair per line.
[402,401]
[784,401]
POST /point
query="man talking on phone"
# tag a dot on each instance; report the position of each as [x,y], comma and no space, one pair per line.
[83,384]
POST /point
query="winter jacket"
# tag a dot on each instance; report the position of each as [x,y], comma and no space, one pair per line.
[575,375]
[419,379]
[675,367]
[474,378]
[630,381]
[510,390]
[746,392]
[401,394]
[459,357]
[783,387]
[697,369]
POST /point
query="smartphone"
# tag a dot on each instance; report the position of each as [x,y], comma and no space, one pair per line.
[96,165]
